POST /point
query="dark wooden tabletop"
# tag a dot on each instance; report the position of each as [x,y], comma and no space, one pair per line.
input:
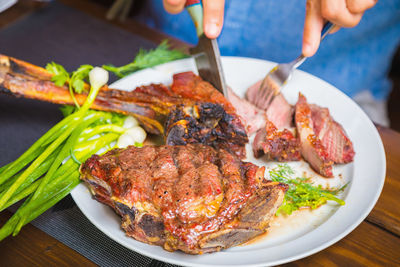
[376,241]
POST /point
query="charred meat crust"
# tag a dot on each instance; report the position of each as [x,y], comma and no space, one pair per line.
[276,145]
[192,198]
[208,124]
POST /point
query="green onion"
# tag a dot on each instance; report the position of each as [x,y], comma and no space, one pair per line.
[33,176]
[35,150]
[58,153]
[39,207]
[5,167]
[55,184]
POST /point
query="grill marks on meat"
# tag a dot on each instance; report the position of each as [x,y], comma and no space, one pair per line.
[191,198]
[276,145]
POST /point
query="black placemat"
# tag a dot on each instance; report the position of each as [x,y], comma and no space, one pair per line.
[71,38]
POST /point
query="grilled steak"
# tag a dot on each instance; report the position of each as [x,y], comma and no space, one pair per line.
[192,198]
[332,135]
[279,145]
[156,106]
[211,122]
[280,112]
[208,124]
[312,148]
[253,117]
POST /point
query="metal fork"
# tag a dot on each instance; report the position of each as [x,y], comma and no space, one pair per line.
[280,74]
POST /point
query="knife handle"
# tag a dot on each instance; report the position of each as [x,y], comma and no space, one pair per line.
[195,9]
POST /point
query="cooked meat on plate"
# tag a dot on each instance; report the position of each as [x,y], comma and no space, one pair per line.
[195,194]
[317,138]
[192,198]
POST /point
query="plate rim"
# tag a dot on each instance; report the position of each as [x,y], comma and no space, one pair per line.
[308,252]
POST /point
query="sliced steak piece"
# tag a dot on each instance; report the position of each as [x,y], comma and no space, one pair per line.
[280,112]
[332,135]
[192,198]
[311,146]
[253,117]
[276,145]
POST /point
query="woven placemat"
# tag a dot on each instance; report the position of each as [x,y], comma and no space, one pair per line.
[71,38]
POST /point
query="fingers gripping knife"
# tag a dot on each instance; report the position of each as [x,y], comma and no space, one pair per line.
[206,53]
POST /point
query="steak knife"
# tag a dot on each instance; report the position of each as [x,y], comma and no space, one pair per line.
[206,53]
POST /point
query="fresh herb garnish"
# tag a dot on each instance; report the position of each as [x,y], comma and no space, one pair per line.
[76,80]
[146,59]
[79,77]
[61,76]
[301,193]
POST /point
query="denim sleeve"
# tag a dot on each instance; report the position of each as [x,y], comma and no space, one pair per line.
[353,60]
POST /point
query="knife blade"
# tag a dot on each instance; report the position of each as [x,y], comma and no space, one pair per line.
[206,54]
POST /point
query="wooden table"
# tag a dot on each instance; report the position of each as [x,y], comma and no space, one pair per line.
[376,241]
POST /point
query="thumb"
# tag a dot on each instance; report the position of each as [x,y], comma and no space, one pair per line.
[312,28]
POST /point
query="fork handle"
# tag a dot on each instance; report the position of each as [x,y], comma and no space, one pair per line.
[326,29]
[195,9]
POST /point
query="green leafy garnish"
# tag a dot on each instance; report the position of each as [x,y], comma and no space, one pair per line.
[79,76]
[302,193]
[146,59]
[75,80]
[61,76]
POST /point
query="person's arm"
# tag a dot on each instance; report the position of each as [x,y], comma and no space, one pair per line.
[343,13]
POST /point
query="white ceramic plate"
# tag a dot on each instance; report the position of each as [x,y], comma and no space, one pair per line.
[302,233]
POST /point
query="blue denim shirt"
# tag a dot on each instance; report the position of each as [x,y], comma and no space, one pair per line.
[353,60]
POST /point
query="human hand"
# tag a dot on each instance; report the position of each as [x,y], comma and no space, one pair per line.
[342,13]
[213,16]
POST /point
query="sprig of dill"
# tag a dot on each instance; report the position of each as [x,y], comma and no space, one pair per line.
[146,59]
[301,193]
